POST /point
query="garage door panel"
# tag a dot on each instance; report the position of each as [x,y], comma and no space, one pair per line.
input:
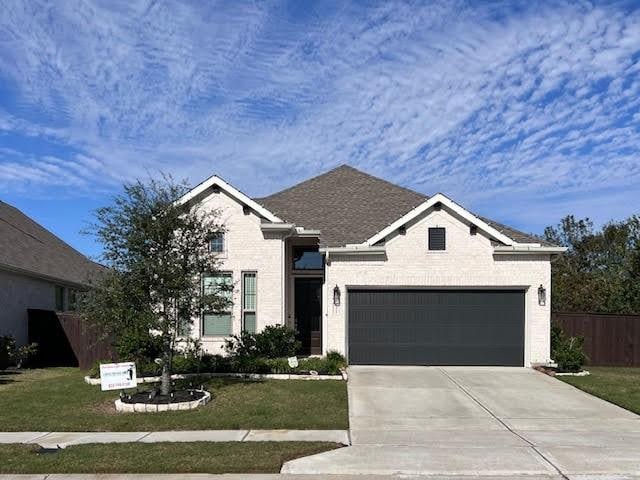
[436,327]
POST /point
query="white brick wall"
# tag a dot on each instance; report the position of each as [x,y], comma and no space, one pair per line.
[247,249]
[467,262]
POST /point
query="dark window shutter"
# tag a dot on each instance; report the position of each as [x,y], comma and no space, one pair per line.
[437,239]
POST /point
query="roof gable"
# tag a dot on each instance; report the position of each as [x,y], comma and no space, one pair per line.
[27,247]
[213,181]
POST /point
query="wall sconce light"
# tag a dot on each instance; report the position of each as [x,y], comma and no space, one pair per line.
[542,296]
[336,296]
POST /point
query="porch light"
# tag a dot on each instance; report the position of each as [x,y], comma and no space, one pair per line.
[336,296]
[542,296]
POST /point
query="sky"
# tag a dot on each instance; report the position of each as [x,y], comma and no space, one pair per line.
[520,111]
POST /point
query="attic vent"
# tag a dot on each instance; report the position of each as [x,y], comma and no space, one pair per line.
[473,229]
[402,230]
[246,210]
[437,206]
[215,189]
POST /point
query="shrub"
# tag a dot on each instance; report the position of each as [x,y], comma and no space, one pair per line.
[241,346]
[279,365]
[11,354]
[135,345]
[337,357]
[322,365]
[276,341]
[568,353]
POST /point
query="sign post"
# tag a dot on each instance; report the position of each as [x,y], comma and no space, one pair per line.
[118,376]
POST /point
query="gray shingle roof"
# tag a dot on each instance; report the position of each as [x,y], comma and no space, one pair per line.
[27,246]
[350,206]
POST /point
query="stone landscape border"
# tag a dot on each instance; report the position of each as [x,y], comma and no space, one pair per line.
[162,407]
[250,376]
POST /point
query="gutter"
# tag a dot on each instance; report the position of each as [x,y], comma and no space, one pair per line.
[277,227]
[528,250]
[353,250]
[44,277]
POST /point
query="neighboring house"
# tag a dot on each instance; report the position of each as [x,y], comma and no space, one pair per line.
[378,272]
[37,271]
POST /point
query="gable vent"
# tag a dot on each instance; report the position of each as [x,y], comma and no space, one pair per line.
[437,238]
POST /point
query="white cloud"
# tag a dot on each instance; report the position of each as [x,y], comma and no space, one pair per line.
[497,108]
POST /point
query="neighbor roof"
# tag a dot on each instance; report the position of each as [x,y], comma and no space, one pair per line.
[28,247]
[349,206]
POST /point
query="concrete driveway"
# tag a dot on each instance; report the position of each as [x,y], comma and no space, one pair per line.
[478,421]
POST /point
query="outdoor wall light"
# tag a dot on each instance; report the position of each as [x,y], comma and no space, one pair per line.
[336,296]
[542,296]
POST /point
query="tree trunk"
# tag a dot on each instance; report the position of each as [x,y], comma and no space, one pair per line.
[165,379]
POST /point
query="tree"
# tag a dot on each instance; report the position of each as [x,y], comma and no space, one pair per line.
[157,250]
[600,272]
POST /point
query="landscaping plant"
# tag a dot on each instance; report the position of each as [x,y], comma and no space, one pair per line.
[567,352]
[156,249]
[12,355]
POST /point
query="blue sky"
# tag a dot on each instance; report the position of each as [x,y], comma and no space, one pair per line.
[522,112]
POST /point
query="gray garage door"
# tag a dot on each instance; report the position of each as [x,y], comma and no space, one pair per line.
[436,327]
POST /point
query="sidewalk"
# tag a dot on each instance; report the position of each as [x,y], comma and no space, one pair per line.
[64,439]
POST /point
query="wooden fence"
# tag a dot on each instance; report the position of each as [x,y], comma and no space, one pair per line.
[609,340]
[64,339]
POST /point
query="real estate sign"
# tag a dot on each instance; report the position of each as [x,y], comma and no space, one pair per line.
[117,376]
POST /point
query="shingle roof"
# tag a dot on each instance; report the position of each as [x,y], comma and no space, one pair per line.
[350,206]
[27,246]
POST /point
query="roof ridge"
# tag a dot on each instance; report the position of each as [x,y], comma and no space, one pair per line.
[343,166]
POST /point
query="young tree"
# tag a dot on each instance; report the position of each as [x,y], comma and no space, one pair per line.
[156,249]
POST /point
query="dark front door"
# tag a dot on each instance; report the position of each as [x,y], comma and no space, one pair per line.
[436,327]
[308,309]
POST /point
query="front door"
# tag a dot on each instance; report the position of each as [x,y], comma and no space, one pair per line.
[308,310]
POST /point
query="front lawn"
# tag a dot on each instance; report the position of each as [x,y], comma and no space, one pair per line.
[195,457]
[57,399]
[619,385]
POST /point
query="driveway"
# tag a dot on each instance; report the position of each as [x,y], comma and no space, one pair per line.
[478,421]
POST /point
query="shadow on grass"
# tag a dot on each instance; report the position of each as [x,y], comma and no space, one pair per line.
[7,376]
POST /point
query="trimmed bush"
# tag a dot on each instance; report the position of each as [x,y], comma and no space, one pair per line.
[275,341]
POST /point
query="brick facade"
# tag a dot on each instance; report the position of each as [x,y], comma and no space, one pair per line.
[467,262]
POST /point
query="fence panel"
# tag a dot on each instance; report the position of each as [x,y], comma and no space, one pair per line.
[609,340]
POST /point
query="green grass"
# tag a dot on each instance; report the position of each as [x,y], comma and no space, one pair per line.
[57,399]
[195,457]
[619,385]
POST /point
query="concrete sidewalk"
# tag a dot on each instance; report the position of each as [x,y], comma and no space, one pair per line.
[64,439]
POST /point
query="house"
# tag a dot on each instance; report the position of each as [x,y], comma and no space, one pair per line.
[37,271]
[378,272]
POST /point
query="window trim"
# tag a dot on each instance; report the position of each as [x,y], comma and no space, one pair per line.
[243,307]
[223,238]
[229,274]
[444,239]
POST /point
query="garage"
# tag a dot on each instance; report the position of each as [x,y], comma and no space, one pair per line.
[436,327]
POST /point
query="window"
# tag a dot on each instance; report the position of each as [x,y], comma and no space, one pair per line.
[437,239]
[218,323]
[307,258]
[59,292]
[249,296]
[216,243]
[72,298]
